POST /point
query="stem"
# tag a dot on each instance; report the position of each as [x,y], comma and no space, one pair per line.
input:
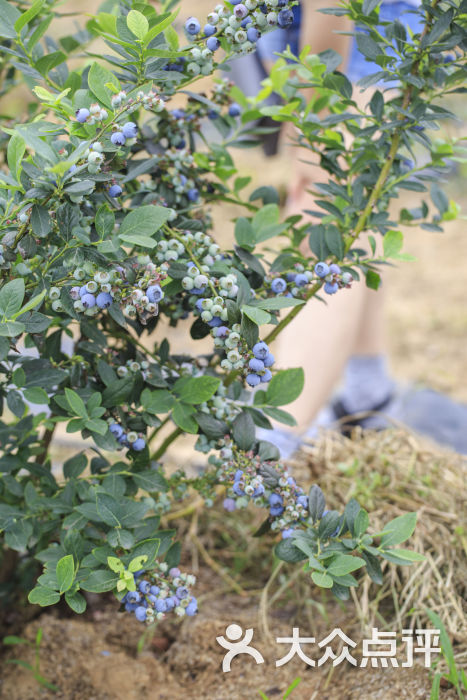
[156,430]
[167,442]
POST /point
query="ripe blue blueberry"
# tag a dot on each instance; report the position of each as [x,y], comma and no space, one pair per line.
[155,590]
[130,607]
[287,533]
[193,194]
[252,34]
[301,280]
[213,43]
[130,130]
[104,300]
[235,110]
[209,29]
[138,445]
[276,504]
[322,269]
[140,613]
[118,138]
[160,605]
[144,586]
[174,572]
[266,376]
[240,11]
[253,379]
[256,365]
[82,114]
[229,504]
[331,287]
[268,360]
[192,26]
[154,293]
[335,269]
[260,350]
[303,501]
[285,18]
[133,597]
[182,592]
[278,285]
[116,430]
[115,190]
[88,300]
[192,607]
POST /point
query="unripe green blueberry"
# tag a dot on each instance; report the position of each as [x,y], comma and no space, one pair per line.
[57,305]
[226,364]
[207,68]
[171,255]
[201,281]
[79,273]
[193,68]
[130,311]
[187,283]
[23,217]
[132,436]
[206,316]
[234,22]
[196,53]
[122,371]
[224,315]
[54,293]
[78,305]
[216,310]
[240,36]
[135,366]
[233,356]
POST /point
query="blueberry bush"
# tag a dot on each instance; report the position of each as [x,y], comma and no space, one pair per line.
[107,240]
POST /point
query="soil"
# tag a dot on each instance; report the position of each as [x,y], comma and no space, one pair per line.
[94,658]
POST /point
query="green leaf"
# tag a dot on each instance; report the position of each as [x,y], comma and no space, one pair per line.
[137,239]
[65,572]
[287,551]
[76,601]
[18,534]
[115,564]
[11,297]
[160,27]
[104,221]
[143,221]
[43,596]
[360,525]
[76,403]
[158,401]
[100,581]
[243,431]
[195,390]
[244,234]
[27,16]
[137,24]
[108,509]
[36,395]
[372,279]
[276,303]
[15,153]
[392,243]
[322,580]
[316,503]
[285,387]
[10,329]
[32,303]
[368,46]
[182,416]
[98,77]
[257,315]
[9,15]
[335,242]
[137,563]
[150,481]
[407,554]
[398,530]
[344,564]
[279,415]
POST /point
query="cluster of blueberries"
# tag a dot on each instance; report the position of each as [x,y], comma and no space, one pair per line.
[333,277]
[159,592]
[139,298]
[294,282]
[240,24]
[273,489]
[132,439]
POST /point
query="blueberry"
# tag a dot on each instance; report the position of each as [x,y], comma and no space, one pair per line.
[221,331]
[140,613]
[253,379]
[193,194]
[82,114]
[130,130]
[83,290]
[182,592]
[174,572]
[240,11]
[303,501]
[252,34]
[118,138]
[72,169]
[278,285]
[155,590]
[335,269]
[322,269]
[259,490]
[237,489]
[133,597]
[88,300]
[235,110]
[209,29]
[213,43]
[266,376]
[154,293]
[192,607]
[301,280]
[287,533]
[256,365]
[268,360]
[276,504]
[215,322]
[104,300]
[170,602]
[229,504]
[144,587]
[160,605]
[285,18]
[192,26]
[238,475]
[138,445]
[331,287]
[116,430]
[260,350]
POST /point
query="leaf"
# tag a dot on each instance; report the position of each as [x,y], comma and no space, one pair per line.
[335,242]
[372,279]
[285,387]
[279,415]
[11,328]
[98,77]
[368,46]
[137,23]
[344,564]
[108,509]
[43,596]
[11,297]
[18,534]
[65,572]
[100,581]
[76,403]
[36,395]
[243,431]
[182,415]
[32,303]
[288,552]
[151,481]
[76,601]
[398,530]
[158,401]
[115,564]
[373,568]
[144,221]
[361,523]
[40,221]
[15,153]
[392,243]
[369,5]
[104,221]
[244,234]
[276,303]
[137,563]
[9,15]
[196,390]
[322,580]
[27,16]
[316,503]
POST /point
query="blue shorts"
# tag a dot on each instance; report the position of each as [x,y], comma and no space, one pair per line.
[358,66]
